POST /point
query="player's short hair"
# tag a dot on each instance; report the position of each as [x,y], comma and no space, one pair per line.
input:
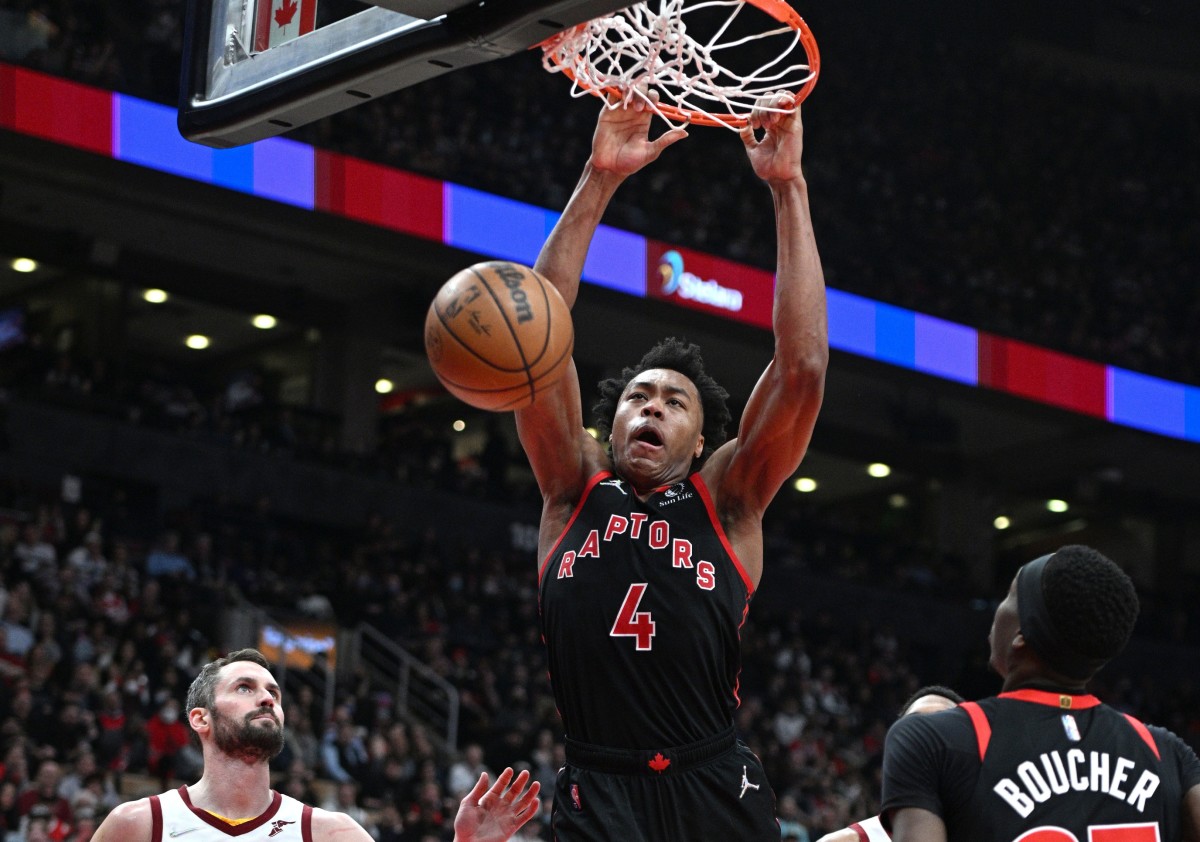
[930,690]
[203,690]
[1092,601]
[681,356]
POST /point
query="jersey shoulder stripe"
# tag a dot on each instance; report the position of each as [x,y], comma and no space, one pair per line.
[710,507]
[587,490]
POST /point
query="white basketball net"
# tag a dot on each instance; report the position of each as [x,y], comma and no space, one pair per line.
[639,45]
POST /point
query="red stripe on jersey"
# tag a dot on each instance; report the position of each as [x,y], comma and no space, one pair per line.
[720,530]
[983,729]
[578,508]
[306,833]
[156,819]
[1145,734]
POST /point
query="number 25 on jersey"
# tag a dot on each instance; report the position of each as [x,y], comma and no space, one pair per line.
[1096,833]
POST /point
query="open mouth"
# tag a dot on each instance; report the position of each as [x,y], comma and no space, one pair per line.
[649,436]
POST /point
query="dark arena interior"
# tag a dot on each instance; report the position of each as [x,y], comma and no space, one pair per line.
[218,428]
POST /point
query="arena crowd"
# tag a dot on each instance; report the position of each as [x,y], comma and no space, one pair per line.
[956,175]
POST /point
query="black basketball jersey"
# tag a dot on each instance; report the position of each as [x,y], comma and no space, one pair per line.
[642,604]
[1041,767]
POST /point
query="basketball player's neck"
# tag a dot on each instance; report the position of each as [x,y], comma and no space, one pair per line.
[1040,677]
[232,787]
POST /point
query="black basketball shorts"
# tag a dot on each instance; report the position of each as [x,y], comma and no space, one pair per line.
[711,791]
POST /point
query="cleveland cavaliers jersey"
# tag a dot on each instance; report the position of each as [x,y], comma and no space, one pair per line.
[1055,766]
[642,604]
[175,817]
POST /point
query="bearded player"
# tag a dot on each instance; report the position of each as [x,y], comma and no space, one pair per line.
[234,708]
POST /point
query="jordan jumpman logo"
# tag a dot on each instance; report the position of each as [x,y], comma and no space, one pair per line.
[746,783]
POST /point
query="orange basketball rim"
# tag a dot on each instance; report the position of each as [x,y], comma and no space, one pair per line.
[617,57]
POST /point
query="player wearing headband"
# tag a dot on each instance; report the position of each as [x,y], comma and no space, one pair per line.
[1045,761]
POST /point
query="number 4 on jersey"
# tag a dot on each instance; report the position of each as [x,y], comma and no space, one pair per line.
[633,623]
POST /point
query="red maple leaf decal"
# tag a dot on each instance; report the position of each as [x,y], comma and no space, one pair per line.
[286,11]
[659,763]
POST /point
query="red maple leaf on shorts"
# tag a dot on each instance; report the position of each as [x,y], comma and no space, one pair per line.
[659,763]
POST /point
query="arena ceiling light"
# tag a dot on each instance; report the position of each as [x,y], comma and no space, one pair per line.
[155,296]
[23,264]
[1057,506]
[1002,522]
[264,322]
[459,425]
[384,386]
[879,470]
[197,342]
[805,485]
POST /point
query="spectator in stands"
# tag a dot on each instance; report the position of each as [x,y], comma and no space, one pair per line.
[465,771]
[299,782]
[74,728]
[343,753]
[85,825]
[166,559]
[301,745]
[83,764]
[109,602]
[166,737]
[12,665]
[111,749]
[42,825]
[343,798]
[10,818]
[88,562]
[43,791]
[791,828]
[36,557]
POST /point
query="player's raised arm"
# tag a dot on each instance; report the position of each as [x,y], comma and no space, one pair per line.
[560,452]
[778,419]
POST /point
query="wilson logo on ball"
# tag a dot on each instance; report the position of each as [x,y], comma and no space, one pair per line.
[512,277]
[497,334]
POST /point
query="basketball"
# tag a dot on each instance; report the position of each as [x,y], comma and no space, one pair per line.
[497,334]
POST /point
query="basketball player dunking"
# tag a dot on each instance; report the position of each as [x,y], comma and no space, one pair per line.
[651,548]
[234,708]
[1045,761]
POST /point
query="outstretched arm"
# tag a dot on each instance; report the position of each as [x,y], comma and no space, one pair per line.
[561,454]
[778,419]
[496,813]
